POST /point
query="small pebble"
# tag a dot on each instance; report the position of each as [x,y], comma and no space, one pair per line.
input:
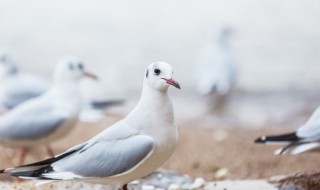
[148,187]
[198,183]
[135,182]
[219,135]
[174,187]
[222,173]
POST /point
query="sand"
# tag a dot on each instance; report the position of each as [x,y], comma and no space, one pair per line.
[202,152]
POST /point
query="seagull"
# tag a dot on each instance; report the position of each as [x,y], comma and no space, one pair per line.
[16,86]
[217,70]
[305,138]
[47,117]
[129,149]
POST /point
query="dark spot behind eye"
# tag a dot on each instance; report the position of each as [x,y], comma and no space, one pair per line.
[157,71]
[147,73]
[81,66]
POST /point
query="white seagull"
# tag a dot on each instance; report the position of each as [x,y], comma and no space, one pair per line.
[16,86]
[217,71]
[130,149]
[305,138]
[48,117]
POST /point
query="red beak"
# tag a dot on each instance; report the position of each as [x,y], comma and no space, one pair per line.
[90,75]
[172,82]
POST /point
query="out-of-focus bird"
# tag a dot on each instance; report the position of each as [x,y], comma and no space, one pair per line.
[16,86]
[217,70]
[49,116]
[305,138]
[130,149]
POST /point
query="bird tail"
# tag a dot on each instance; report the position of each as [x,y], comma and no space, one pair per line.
[38,165]
[101,105]
[296,148]
[36,170]
[284,138]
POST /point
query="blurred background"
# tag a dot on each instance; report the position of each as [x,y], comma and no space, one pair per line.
[273,45]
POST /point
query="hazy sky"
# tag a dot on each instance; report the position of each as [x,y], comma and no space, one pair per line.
[276,43]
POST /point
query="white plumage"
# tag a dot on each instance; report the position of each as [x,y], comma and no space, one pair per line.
[130,149]
[49,116]
[305,138]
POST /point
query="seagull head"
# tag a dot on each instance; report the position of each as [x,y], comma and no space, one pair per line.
[8,64]
[159,76]
[72,69]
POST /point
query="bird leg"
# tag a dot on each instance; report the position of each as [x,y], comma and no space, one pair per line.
[22,155]
[49,151]
[125,187]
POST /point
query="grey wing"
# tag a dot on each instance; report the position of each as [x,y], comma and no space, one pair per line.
[23,87]
[18,98]
[105,159]
[31,123]
[310,130]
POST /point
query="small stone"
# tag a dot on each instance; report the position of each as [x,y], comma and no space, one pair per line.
[186,176]
[219,135]
[198,183]
[148,187]
[174,187]
[135,182]
[222,173]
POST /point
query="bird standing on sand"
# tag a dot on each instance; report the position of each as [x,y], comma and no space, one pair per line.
[305,138]
[17,87]
[48,117]
[217,70]
[130,149]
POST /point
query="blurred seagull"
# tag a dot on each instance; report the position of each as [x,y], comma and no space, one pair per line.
[130,149]
[305,138]
[217,71]
[49,116]
[15,86]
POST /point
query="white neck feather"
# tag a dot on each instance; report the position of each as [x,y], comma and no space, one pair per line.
[155,103]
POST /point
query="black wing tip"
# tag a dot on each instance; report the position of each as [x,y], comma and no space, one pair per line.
[49,160]
[260,140]
[288,137]
[33,173]
[43,166]
[22,174]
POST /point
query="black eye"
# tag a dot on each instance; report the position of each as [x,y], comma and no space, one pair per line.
[157,71]
[80,66]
